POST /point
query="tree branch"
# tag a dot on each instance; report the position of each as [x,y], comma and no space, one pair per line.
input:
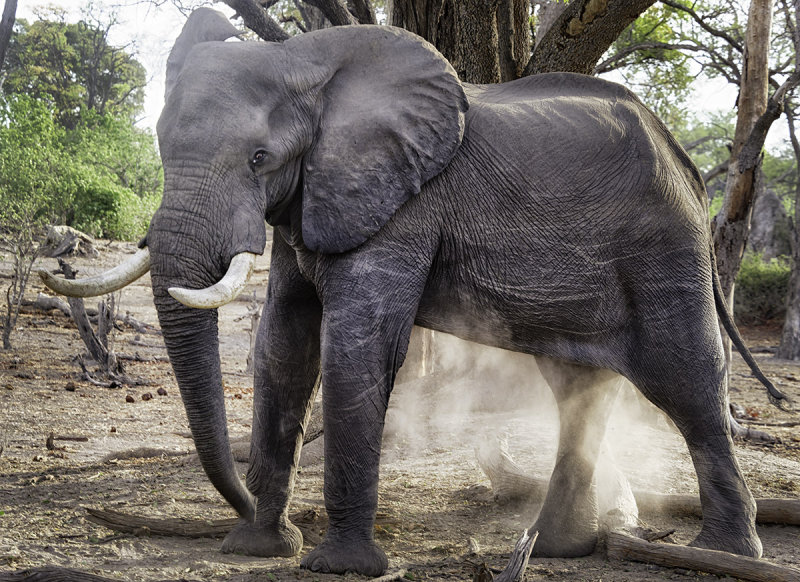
[256,19]
[704,25]
[335,11]
[751,151]
[582,33]
[616,61]
[362,9]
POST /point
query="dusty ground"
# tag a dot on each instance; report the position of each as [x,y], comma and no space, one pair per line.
[433,496]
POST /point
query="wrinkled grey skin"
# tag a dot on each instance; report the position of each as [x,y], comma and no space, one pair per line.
[553,215]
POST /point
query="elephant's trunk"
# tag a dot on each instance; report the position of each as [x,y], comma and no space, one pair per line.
[191,337]
[181,256]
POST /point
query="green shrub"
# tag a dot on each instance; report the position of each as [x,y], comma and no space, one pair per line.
[104,209]
[761,289]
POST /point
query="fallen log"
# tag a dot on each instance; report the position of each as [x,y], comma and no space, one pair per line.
[621,546]
[770,510]
[189,528]
[145,526]
[510,482]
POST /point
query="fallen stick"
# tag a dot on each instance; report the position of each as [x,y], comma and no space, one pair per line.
[391,576]
[622,546]
[518,561]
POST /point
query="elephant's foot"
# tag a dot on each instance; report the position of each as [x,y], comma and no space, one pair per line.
[566,532]
[747,544]
[339,557]
[556,542]
[251,540]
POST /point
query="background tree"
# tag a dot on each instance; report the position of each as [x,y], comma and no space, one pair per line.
[73,67]
[31,194]
[94,90]
[69,150]
[487,41]
[6,26]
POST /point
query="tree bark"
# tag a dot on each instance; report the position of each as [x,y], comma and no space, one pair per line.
[418,16]
[464,31]
[6,27]
[790,336]
[476,58]
[514,37]
[733,221]
[582,33]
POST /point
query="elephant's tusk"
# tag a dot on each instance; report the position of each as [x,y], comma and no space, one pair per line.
[108,282]
[225,291]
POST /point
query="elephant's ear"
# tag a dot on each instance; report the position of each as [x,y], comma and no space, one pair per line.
[391,116]
[203,25]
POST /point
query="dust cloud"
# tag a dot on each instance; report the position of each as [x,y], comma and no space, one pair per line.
[453,396]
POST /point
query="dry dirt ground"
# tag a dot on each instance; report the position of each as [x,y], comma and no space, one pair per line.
[433,496]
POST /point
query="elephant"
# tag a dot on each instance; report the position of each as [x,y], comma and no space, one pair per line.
[553,215]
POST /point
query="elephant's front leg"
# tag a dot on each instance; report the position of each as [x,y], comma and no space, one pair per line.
[364,340]
[286,379]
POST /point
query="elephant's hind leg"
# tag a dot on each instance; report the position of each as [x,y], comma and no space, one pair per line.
[691,391]
[567,523]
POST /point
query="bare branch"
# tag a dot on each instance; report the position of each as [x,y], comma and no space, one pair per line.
[335,11]
[618,60]
[751,151]
[256,19]
[362,9]
[704,24]
[718,170]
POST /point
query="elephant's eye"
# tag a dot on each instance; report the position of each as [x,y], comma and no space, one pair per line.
[259,157]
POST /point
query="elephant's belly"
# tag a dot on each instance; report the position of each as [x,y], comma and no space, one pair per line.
[583,324]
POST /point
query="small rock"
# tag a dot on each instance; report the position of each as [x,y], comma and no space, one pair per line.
[147,396]
[71,387]
[162,392]
[113,429]
[37,458]
[130,398]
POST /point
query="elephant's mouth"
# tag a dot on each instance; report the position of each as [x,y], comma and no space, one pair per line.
[278,214]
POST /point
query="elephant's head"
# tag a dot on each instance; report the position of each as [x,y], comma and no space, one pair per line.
[329,133]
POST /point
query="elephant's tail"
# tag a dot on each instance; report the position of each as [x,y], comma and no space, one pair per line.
[776,397]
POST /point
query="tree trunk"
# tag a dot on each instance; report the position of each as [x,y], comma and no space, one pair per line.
[486,41]
[732,224]
[6,27]
[790,337]
[733,221]
[582,33]
[514,37]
